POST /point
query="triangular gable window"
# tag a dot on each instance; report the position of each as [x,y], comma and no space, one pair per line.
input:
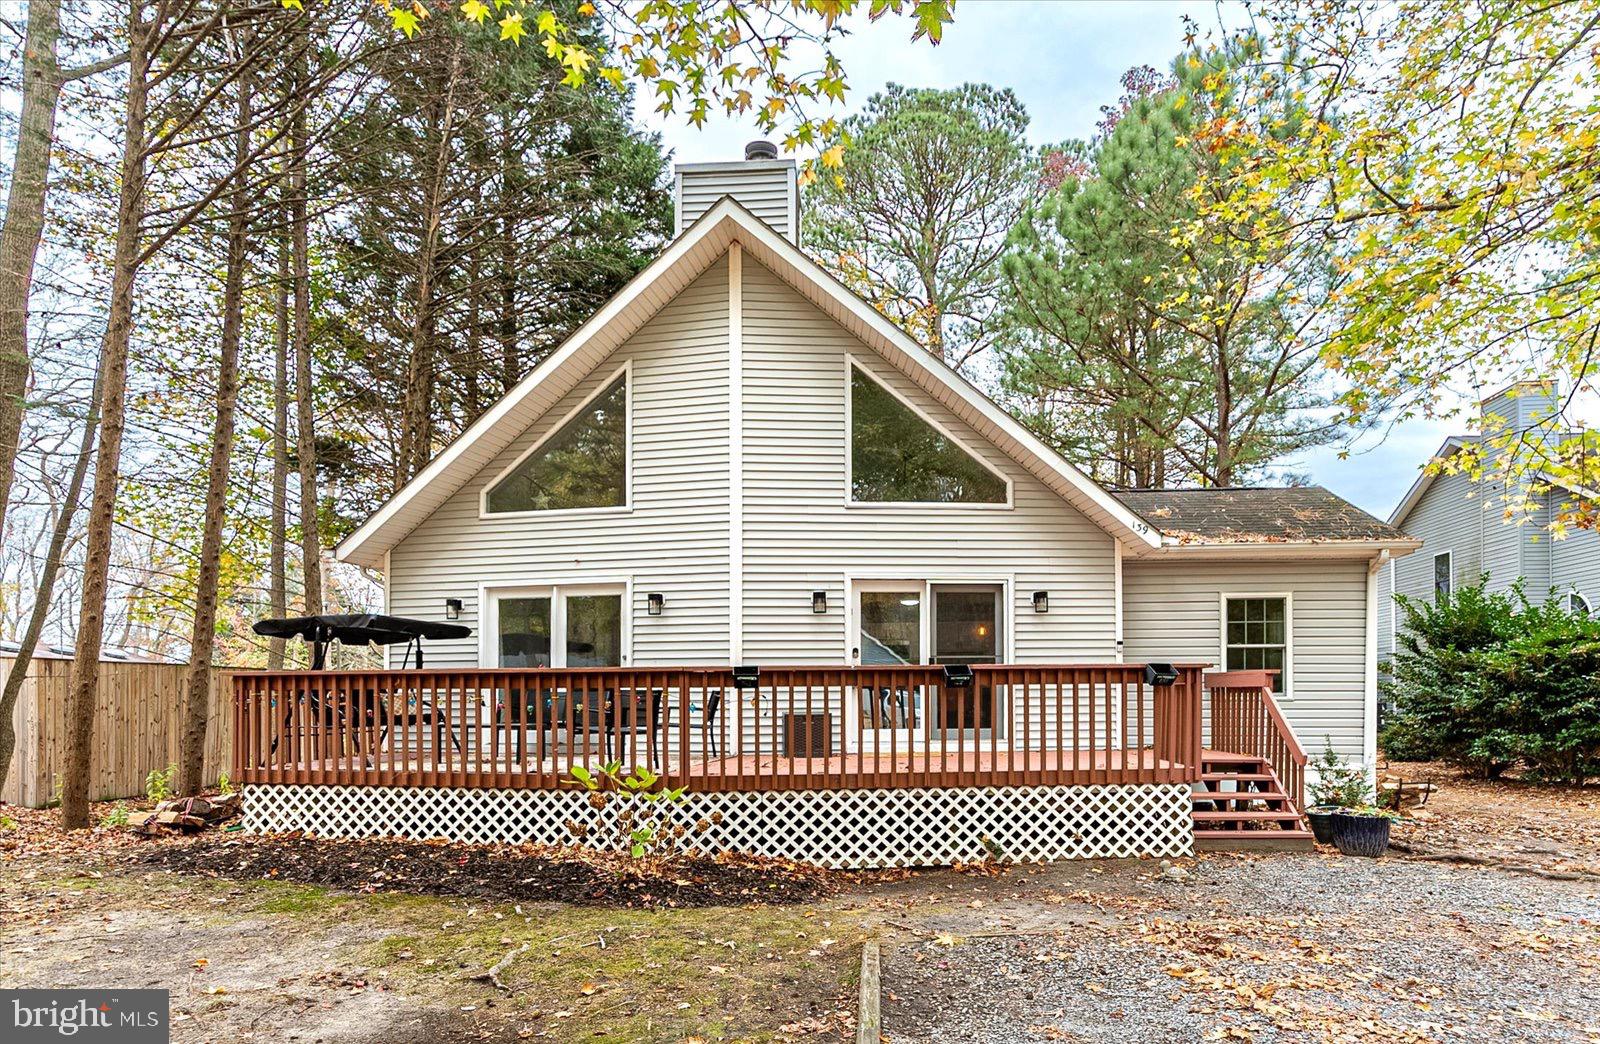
[583,465]
[898,457]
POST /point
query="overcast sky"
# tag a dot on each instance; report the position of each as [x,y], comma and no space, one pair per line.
[1064,60]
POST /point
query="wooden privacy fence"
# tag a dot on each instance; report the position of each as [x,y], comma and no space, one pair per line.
[138,715]
[790,728]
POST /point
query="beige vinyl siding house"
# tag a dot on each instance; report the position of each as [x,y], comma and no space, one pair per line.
[794,489]
[740,516]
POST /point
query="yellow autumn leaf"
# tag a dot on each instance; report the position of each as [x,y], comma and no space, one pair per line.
[511,27]
[833,157]
[405,21]
[293,5]
[476,10]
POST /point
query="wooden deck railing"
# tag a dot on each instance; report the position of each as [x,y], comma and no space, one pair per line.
[795,728]
[1245,719]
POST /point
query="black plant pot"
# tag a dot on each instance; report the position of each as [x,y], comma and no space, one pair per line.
[1361,835]
[1321,820]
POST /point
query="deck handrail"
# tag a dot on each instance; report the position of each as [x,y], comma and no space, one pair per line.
[1246,719]
[800,727]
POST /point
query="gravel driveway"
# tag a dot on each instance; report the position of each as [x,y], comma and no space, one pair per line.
[1263,948]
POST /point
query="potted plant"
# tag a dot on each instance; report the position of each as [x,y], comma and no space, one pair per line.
[1362,831]
[1338,786]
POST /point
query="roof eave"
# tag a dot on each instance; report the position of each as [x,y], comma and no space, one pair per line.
[1239,549]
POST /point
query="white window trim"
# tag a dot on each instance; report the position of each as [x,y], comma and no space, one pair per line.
[1288,632]
[489,596]
[851,364]
[1433,580]
[625,371]
[1575,594]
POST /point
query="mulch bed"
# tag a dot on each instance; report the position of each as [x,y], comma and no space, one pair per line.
[502,873]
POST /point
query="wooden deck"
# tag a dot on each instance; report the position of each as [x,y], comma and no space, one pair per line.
[706,728]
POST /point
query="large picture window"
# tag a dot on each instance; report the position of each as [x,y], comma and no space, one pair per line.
[898,457]
[1258,637]
[583,465]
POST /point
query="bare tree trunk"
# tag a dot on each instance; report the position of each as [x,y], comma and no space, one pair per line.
[113,404]
[306,435]
[19,240]
[278,556]
[508,263]
[416,406]
[44,591]
[203,637]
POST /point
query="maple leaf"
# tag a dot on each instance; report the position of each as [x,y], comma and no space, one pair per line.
[511,27]
[405,21]
[476,10]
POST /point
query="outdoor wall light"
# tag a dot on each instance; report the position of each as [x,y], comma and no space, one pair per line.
[1041,601]
[452,608]
[654,603]
[819,601]
[746,676]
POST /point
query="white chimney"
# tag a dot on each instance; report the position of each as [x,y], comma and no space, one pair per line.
[762,183]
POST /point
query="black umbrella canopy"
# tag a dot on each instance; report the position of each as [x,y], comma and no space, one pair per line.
[358,629]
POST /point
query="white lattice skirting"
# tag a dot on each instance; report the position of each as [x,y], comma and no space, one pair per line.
[832,828]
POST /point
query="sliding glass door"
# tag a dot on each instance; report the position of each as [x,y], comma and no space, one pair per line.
[559,626]
[916,622]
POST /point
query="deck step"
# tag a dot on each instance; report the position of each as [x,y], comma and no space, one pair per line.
[1211,816]
[1206,796]
[1254,840]
[1250,777]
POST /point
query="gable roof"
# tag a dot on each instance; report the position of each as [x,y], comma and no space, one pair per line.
[1451,445]
[1277,515]
[679,264]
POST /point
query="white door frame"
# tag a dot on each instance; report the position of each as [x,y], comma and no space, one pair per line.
[923,583]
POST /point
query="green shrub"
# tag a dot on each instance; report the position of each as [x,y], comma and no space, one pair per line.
[1488,681]
[158,784]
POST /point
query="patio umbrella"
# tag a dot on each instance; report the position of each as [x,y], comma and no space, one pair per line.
[358,629]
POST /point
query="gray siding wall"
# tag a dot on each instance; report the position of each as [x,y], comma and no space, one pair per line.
[1575,564]
[1447,518]
[1172,611]
[801,536]
[766,188]
[674,539]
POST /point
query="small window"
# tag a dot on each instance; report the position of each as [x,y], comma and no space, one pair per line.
[1576,603]
[897,457]
[583,465]
[1442,574]
[1258,637]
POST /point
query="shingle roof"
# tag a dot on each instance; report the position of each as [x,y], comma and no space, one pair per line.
[1237,515]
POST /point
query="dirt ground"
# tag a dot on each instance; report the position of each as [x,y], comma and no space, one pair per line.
[1488,929]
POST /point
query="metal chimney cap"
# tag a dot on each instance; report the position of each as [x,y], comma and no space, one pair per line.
[760,150]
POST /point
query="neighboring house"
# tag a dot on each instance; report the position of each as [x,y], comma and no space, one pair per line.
[1465,529]
[737,461]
